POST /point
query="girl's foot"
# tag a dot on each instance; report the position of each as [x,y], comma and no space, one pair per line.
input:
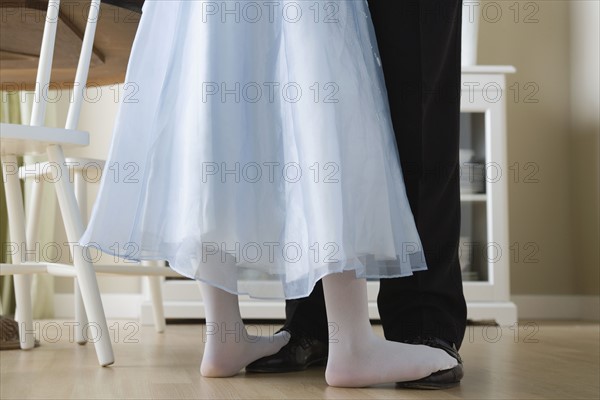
[375,360]
[229,349]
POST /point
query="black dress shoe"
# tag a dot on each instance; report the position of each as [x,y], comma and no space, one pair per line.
[299,354]
[444,379]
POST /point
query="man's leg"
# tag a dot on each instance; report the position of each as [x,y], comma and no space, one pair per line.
[419,43]
[306,320]
[307,316]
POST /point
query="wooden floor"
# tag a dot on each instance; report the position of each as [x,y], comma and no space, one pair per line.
[545,360]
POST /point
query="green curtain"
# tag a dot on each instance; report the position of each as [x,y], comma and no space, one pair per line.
[10,112]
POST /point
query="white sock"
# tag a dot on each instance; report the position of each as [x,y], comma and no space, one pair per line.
[358,357]
[229,346]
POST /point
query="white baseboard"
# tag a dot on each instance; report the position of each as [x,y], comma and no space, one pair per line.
[125,305]
[590,307]
[116,305]
[558,307]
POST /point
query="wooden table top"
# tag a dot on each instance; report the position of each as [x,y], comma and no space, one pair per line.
[21,30]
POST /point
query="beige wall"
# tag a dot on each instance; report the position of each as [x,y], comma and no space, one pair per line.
[585,107]
[560,212]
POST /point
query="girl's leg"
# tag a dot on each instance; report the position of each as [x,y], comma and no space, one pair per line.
[358,357]
[229,347]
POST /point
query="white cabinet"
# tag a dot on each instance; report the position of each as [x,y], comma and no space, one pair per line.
[485,246]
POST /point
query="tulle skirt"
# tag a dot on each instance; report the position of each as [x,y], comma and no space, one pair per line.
[256,136]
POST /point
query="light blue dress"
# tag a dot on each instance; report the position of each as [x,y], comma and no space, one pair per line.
[256,136]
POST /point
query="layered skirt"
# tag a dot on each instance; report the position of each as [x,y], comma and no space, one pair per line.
[255,140]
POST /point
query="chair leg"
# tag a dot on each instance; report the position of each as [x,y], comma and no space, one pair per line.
[86,276]
[33,213]
[80,316]
[32,224]
[154,284]
[16,223]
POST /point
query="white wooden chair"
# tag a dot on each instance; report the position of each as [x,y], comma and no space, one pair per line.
[37,139]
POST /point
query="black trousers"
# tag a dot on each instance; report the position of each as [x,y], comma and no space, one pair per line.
[419,44]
